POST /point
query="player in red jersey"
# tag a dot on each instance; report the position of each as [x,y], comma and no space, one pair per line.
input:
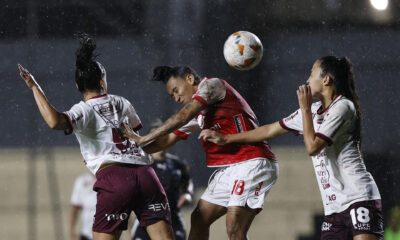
[331,129]
[245,173]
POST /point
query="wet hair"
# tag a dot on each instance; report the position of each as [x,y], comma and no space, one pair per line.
[88,71]
[341,72]
[163,73]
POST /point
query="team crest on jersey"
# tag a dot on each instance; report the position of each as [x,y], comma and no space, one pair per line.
[107,111]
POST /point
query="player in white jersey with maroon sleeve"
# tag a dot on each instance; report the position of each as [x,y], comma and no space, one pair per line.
[332,134]
[245,173]
[124,180]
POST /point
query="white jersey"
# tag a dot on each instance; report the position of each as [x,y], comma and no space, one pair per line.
[84,197]
[339,167]
[95,124]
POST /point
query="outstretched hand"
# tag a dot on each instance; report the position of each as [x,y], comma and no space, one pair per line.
[27,77]
[305,98]
[213,136]
[129,133]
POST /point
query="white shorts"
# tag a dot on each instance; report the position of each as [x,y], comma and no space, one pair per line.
[242,184]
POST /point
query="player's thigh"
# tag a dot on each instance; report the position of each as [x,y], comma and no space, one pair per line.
[160,230]
[239,219]
[366,237]
[107,236]
[140,234]
[152,204]
[206,213]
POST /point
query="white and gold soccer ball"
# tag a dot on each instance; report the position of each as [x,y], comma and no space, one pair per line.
[243,50]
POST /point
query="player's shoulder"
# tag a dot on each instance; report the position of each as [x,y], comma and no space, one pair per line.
[121,100]
[343,105]
[211,81]
[117,98]
[81,106]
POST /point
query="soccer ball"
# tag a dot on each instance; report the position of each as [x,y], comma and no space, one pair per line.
[243,50]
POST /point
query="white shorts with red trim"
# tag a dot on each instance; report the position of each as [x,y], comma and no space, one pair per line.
[242,184]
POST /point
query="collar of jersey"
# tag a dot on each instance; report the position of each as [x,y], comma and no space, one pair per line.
[319,112]
[100,96]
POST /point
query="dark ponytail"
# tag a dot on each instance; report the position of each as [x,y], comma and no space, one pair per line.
[88,72]
[341,72]
[163,73]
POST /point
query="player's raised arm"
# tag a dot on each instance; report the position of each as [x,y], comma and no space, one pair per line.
[260,134]
[54,119]
[159,144]
[187,113]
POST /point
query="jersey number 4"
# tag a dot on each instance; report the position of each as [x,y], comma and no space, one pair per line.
[238,187]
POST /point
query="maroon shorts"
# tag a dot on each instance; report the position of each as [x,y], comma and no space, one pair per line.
[360,218]
[125,188]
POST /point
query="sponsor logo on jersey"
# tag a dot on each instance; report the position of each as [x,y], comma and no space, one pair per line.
[116,216]
[158,207]
[323,174]
[362,226]
[326,226]
[292,116]
[239,122]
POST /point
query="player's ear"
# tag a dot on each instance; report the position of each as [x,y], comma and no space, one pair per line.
[327,80]
[190,79]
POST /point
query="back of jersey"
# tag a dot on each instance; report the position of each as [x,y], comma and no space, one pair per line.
[95,124]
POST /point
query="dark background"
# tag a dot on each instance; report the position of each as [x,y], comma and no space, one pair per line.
[135,36]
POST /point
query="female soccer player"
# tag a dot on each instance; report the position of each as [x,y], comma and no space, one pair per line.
[125,181]
[245,173]
[332,135]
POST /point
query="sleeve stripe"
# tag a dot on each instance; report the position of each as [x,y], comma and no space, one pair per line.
[327,139]
[180,134]
[138,127]
[283,125]
[201,100]
[71,126]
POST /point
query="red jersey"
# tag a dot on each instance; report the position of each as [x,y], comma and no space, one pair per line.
[225,111]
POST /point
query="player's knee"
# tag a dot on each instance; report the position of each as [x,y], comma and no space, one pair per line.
[235,232]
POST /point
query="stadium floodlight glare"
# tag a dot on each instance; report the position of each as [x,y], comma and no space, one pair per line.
[379,4]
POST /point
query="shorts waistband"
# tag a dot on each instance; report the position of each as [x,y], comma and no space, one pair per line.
[111,166]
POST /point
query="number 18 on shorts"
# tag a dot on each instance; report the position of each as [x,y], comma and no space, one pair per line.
[360,218]
[242,184]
